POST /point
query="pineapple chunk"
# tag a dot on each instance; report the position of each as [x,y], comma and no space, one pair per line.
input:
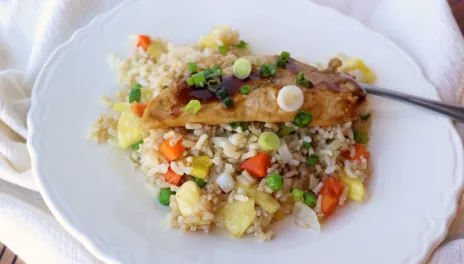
[356,187]
[359,69]
[201,166]
[188,199]
[218,36]
[238,216]
[121,107]
[129,129]
[156,49]
[263,199]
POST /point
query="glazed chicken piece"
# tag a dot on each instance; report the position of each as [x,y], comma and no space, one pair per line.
[334,99]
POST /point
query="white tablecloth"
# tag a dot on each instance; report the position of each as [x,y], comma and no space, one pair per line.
[31,29]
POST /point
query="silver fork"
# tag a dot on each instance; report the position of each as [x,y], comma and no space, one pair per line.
[454,111]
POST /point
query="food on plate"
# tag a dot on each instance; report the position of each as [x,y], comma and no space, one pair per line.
[235,140]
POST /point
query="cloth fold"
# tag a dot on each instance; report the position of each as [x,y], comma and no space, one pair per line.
[30,30]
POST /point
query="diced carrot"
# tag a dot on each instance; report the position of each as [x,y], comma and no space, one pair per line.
[330,192]
[346,154]
[171,152]
[257,166]
[144,41]
[360,152]
[172,177]
[335,186]
[329,204]
[139,108]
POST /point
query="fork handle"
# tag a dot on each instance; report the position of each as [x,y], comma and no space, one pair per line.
[454,111]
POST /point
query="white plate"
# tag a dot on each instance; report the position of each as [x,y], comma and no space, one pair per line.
[416,156]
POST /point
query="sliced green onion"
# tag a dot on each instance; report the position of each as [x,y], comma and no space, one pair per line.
[265,71]
[269,141]
[213,84]
[366,117]
[200,182]
[312,160]
[241,68]
[297,193]
[223,95]
[135,93]
[273,69]
[207,73]
[307,145]
[193,107]
[192,67]
[216,67]
[137,145]
[300,77]
[361,137]
[165,196]
[190,81]
[222,49]
[302,119]
[245,89]
[285,130]
[275,182]
[227,102]
[301,80]
[198,79]
[283,59]
[243,125]
[268,70]
[242,44]
[215,71]
[309,198]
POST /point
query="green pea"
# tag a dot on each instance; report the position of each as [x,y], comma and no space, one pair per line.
[165,196]
[312,160]
[275,182]
[309,198]
[307,145]
[200,182]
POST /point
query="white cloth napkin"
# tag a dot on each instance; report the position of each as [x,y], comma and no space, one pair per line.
[30,30]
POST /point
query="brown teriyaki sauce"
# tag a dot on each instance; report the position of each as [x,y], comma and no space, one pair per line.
[229,82]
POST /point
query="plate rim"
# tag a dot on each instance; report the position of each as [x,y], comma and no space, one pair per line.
[104,255]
